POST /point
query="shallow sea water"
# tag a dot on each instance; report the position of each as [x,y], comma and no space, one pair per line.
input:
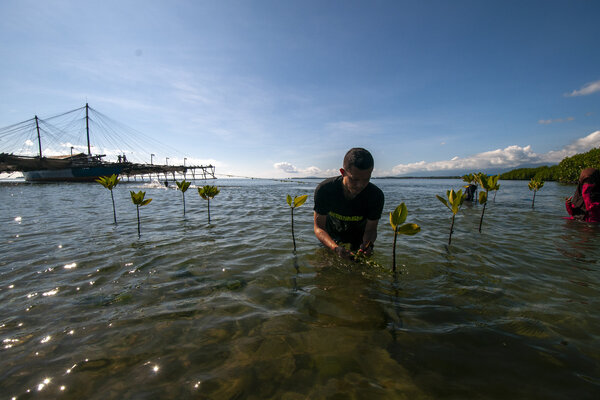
[227,311]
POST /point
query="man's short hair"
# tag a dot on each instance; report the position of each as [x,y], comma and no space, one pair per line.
[359,158]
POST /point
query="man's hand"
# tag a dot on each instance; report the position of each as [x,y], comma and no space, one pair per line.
[345,254]
[366,248]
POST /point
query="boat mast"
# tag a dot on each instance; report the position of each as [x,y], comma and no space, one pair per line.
[87,128]
[37,126]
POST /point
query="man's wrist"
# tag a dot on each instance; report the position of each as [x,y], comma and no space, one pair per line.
[339,250]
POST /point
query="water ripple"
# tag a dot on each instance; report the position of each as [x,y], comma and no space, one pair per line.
[188,309]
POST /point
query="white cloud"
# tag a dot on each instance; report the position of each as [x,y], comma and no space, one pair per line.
[309,171]
[587,89]
[286,167]
[581,145]
[509,157]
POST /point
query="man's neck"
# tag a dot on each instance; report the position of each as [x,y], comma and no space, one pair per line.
[347,194]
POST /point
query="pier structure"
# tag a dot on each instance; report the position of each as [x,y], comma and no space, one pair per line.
[88,167]
[167,173]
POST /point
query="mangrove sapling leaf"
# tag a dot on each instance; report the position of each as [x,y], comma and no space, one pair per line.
[110,182]
[183,186]
[297,201]
[487,183]
[397,218]
[535,185]
[139,201]
[453,201]
[208,192]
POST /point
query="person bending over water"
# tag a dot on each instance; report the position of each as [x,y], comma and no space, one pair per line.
[348,207]
[584,205]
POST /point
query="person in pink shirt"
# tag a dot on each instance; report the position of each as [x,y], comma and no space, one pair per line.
[584,205]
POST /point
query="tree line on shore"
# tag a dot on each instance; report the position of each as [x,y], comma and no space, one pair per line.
[567,171]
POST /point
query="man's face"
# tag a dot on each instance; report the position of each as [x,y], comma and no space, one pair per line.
[355,180]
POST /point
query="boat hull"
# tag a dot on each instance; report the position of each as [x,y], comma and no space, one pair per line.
[82,174]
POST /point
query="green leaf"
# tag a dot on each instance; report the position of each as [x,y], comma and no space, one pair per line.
[440,198]
[208,192]
[455,208]
[535,184]
[102,180]
[482,197]
[298,201]
[470,178]
[183,185]
[145,202]
[409,229]
[289,200]
[399,215]
[460,196]
[108,182]
[138,198]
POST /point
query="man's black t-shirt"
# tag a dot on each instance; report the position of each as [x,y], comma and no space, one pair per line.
[346,219]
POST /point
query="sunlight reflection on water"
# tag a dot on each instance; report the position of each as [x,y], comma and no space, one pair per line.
[89,310]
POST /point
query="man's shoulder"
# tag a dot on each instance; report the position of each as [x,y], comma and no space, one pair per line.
[329,183]
[374,189]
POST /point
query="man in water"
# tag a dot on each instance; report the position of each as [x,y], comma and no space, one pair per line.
[348,207]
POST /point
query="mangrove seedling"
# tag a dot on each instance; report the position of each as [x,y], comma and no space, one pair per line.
[139,201]
[397,218]
[296,202]
[495,189]
[535,185]
[488,183]
[453,202]
[183,186]
[208,192]
[110,182]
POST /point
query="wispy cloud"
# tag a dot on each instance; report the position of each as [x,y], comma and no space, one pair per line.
[587,89]
[509,157]
[362,127]
[555,120]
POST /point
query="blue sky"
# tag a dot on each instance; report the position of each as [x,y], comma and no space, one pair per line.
[285,88]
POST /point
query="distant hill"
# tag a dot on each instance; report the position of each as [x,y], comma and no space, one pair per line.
[458,173]
[544,172]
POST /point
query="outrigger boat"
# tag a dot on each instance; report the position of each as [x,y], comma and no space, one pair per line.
[76,168]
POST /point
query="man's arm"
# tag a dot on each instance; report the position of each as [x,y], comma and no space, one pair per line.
[369,236]
[325,238]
